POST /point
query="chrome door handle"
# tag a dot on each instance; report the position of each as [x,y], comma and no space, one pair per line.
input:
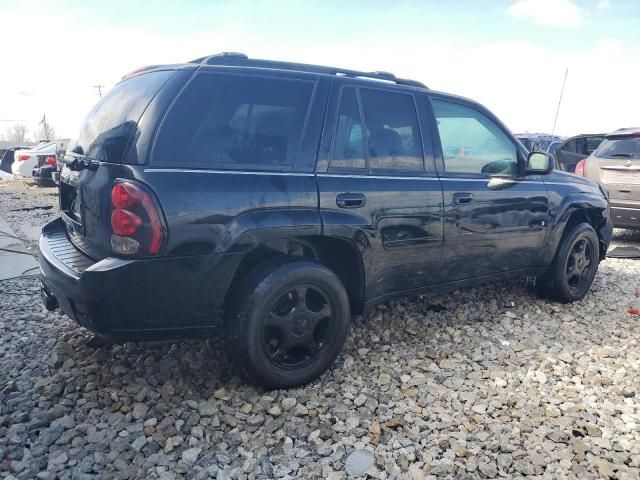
[462,198]
[351,200]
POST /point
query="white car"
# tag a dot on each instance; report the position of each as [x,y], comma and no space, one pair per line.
[27,159]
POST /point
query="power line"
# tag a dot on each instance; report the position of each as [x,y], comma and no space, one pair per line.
[99,87]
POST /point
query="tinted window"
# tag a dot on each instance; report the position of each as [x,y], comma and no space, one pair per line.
[348,144]
[553,147]
[393,133]
[472,143]
[390,129]
[107,128]
[571,146]
[619,148]
[236,121]
[593,143]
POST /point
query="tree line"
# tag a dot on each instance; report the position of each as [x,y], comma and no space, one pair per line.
[18,132]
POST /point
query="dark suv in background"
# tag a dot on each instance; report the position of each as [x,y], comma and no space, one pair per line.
[272,200]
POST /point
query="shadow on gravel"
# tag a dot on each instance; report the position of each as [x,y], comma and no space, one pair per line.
[491,318]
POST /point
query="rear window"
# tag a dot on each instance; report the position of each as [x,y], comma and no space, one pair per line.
[231,121]
[107,128]
[628,147]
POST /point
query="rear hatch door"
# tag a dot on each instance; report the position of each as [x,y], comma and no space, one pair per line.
[101,153]
[619,168]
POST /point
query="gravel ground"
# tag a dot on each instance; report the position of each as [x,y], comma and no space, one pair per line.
[463,385]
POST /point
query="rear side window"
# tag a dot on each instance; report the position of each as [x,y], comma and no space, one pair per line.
[107,128]
[348,146]
[593,143]
[235,122]
[622,148]
[394,136]
[388,138]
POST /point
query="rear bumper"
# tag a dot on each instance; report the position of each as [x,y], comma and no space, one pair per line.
[146,299]
[625,217]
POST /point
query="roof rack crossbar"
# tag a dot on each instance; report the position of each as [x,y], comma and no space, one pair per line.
[240,59]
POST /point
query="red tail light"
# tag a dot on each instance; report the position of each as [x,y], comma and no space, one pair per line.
[580,167]
[22,158]
[124,222]
[136,221]
[50,160]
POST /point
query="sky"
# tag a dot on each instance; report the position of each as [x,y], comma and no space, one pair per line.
[510,55]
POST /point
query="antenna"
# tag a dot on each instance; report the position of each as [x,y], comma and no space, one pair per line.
[553,130]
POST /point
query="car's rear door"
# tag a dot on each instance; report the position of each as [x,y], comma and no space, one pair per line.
[495,217]
[575,149]
[112,140]
[378,186]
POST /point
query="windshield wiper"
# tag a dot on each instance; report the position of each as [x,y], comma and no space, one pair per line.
[626,155]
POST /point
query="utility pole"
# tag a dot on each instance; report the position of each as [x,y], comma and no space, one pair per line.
[553,130]
[99,87]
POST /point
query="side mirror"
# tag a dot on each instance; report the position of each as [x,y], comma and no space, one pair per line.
[539,163]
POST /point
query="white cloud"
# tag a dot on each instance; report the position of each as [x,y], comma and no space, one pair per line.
[604,4]
[552,13]
[519,81]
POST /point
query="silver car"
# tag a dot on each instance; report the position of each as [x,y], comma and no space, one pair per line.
[616,166]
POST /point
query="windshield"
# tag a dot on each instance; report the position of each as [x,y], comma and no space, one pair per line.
[107,128]
[627,147]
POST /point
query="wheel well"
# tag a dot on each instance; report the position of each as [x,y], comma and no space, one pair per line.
[339,255]
[591,216]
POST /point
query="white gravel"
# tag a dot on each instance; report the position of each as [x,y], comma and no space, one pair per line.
[462,385]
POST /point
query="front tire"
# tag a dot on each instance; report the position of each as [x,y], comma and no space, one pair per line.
[287,322]
[574,266]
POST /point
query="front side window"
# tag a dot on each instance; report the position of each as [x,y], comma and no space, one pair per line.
[571,146]
[473,143]
[390,132]
[236,122]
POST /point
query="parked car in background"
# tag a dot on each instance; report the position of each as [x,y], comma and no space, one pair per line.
[27,159]
[46,171]
[553,146]
[8,158]
[537,141]
[271,200]
[616,165]
[574,149]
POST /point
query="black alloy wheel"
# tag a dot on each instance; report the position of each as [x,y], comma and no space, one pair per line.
[297,327]
[580,263]
[287,322]
[574,265]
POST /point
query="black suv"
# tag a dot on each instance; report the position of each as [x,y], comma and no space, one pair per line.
[272,200]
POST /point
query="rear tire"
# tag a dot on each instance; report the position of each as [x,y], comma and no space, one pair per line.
[574,266]
[287,322]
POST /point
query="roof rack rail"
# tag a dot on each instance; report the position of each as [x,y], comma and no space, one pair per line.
[242,60]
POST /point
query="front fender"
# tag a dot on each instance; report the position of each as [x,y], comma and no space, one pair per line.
[595,209]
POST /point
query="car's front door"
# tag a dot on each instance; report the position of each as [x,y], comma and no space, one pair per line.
[378,186]
[495,217]
[575,149]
